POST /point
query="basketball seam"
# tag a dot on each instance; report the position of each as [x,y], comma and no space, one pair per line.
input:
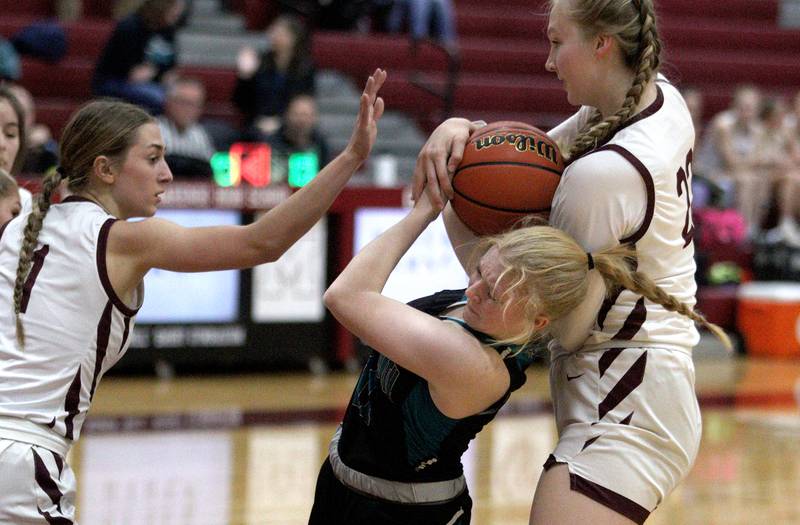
[499,131]
[496,208]
[506,163]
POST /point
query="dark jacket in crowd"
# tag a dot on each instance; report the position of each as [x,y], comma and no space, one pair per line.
[268,91]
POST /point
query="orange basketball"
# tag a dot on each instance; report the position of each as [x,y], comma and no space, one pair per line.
[509,170]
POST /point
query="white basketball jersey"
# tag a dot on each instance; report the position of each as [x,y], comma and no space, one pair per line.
[76,327]
[658,144]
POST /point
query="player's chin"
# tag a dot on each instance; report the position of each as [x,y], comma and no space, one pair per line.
[472,319]
[147,211]
[571,98]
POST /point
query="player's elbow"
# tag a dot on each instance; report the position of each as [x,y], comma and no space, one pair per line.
[332,298]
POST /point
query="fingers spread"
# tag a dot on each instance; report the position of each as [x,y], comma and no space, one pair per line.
[379,107]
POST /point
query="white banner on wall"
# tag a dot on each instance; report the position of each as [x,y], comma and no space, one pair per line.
[429,265]
[290,289]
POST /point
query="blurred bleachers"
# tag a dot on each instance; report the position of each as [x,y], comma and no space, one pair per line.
[709,44]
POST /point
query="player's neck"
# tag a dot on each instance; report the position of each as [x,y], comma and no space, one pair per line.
[616,95]
[97,199]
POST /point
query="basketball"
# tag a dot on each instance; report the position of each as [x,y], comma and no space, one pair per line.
[508,170]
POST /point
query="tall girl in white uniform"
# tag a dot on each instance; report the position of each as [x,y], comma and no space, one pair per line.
[71,282]
[622,376]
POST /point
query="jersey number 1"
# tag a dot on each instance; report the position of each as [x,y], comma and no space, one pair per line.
[36,267]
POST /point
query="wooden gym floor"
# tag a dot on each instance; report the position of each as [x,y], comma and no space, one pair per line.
[246,449]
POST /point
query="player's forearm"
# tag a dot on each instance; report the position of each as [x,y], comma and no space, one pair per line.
[283,225]
[370,268]
[461,238]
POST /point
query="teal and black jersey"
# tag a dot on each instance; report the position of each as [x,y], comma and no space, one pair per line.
[393,430]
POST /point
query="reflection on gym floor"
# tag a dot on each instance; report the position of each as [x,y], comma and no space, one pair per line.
[246,450]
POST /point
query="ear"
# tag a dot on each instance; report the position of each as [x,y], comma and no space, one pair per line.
[103,169]
[603,44]
[540,321]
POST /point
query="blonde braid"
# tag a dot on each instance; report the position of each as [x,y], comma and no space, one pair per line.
[596,130]
[30,234]
[608,264]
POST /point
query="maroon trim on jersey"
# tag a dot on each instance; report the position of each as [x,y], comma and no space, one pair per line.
[125,332]
[36,267]
[45,482]
[71,404]
[614,501]
[633,322]
[77,198]
[650,110]
[627,384]
[54,520]
[607,358]
[650,188]
[102,269]
[627,420]
[589,442]
[59,462]
[608,498]
[552,462]
[606,307]
[103,334]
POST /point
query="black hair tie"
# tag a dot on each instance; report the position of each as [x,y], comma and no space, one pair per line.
[590,260]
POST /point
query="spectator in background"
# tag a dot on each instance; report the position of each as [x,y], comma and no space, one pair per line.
[704,190]
[793,121]
[139,55]
[694,102]
[298,132]
[189,146]
[69,10]
[13,142]
[266,83]
[780,159]
[10,68]
[731,159]
[433,19]
[42,150]
[10,205]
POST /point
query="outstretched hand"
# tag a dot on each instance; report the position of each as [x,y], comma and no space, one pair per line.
[369,112]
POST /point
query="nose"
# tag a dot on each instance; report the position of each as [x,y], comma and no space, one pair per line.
[472,292]
[550,65]
[166,174]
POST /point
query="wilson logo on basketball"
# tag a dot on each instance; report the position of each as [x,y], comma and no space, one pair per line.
[521,143]
[509,170]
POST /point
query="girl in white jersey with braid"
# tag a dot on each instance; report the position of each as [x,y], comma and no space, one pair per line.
[71,282]
[622,376]
[443,365]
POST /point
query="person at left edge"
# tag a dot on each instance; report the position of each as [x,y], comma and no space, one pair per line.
[71,281]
